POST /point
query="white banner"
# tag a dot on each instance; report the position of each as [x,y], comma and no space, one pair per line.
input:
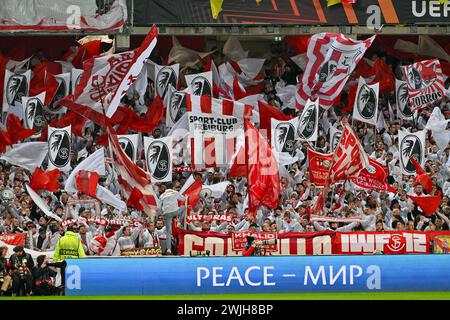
[33,112]
[365,108]
[59,148]
[335,136]
[130,145]
[411,145]
[15,86]
[163,77]
[404,111]
[309,121]
[284,135]
[158,156]
[200,84]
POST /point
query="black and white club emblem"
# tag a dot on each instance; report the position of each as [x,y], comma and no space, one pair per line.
[411,146]
[165,77]
[200,86]
[34,114]
[158,158]
[335,139]
[60,93]
[127,146]
[308,121]
[59,148]
[403,101]
[367,102]
[178,106]
[285,137]
[16,88]
[327,71]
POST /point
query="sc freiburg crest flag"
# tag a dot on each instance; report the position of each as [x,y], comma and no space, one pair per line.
[331,59]
[411,145]
[365,108]
[308,124]
[59,148]
[158,156]
[284,135]
[425,83]
[106,79]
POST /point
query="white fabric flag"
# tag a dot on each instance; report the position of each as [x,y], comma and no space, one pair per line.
[62,91]
[200,84]
[217,190]
[284,135]
[28,155]
[438,126]
[59,148]
[335,136]
[309,121]
[129,144]
[15,86]
[33,112]
[233,50]
[75,79]
[380,121]
[165,76]
[411,145]
[404,110]
[41,204]
[365,108]
[158,156]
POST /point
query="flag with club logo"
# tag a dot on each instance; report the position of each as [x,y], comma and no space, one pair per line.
[62,90]
[219,107]
[15,86]
[404,108]
[59,148]
[425,83]
[331,59]
[365,108]
[200,84]
[106,79]
[284,135]
[158,157]
[349,158]
[319,165]
[308,124]
[335,136]
[130,145]
[165,76]
[214,139]
[373,177]
[33,111]
[411,145]
[175,104]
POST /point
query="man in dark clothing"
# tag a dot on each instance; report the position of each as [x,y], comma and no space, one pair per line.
[44,284]
[21,264]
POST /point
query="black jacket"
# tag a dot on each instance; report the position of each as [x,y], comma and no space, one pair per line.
[15,261]
[41,274]
[4,265]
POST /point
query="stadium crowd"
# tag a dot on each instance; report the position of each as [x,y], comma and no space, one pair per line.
[378,210]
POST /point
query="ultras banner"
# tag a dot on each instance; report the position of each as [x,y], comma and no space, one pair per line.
[312,12]
[322,243]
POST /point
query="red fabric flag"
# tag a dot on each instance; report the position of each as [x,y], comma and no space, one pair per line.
[428,204]
[266,113]
[41,180]
[349,158]
[319,166]
[422,177]
[238,168]
[320,203]
[4,141]
[134,200]
[71,118]
[43,81]
[238,91]
[263,178]
[192,192]
[373,177]
[15,129]
[150,120]
[86,51]
[87,182]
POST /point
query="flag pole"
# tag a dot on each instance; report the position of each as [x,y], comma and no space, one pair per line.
[246,162]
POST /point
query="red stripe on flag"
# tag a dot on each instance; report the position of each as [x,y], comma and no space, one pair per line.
[227,107]
[206,104]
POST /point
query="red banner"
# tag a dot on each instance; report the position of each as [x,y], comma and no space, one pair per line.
[322,243]
[319,164]
[240,239]
[13,239]
[373,177]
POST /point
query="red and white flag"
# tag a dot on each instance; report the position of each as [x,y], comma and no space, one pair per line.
[218,107]
[106,79]
[331,59]
[349,158]
[373,177]
[425,83]
[191,189]
[319,165]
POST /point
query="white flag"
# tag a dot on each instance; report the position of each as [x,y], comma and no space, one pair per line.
[380,121]
[41,204]
[28,155]
[129,144]
[411,145]
[335,136]
[15,86]
[438,126]
[59,148]
[200,84]
[404,111]
[365,108]
[75,79]
[216,190]
[33,112]
[284,135]
[309,121]
[158,155]
[62,91]
[165,76]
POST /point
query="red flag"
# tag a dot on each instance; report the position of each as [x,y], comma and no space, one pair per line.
[15,129]
[422,177]
[373,177]
[266,113]
[238,91]
[41,180]
[263,178]
[428,204]
[319,166]
[43,81]
[191,189]
[86,51]
[349,158]
[150,120]
[320,203]
[4,141]
[71,118]
[87,182]
[134,200]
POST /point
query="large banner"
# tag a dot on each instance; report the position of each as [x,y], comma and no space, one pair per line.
[318,243]
[240,239]
[13,239]
[373,177]
[283,12]
[319,165]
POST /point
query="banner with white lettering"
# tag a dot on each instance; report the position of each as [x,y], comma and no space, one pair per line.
[240,239]
[158,156]
[214,139]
